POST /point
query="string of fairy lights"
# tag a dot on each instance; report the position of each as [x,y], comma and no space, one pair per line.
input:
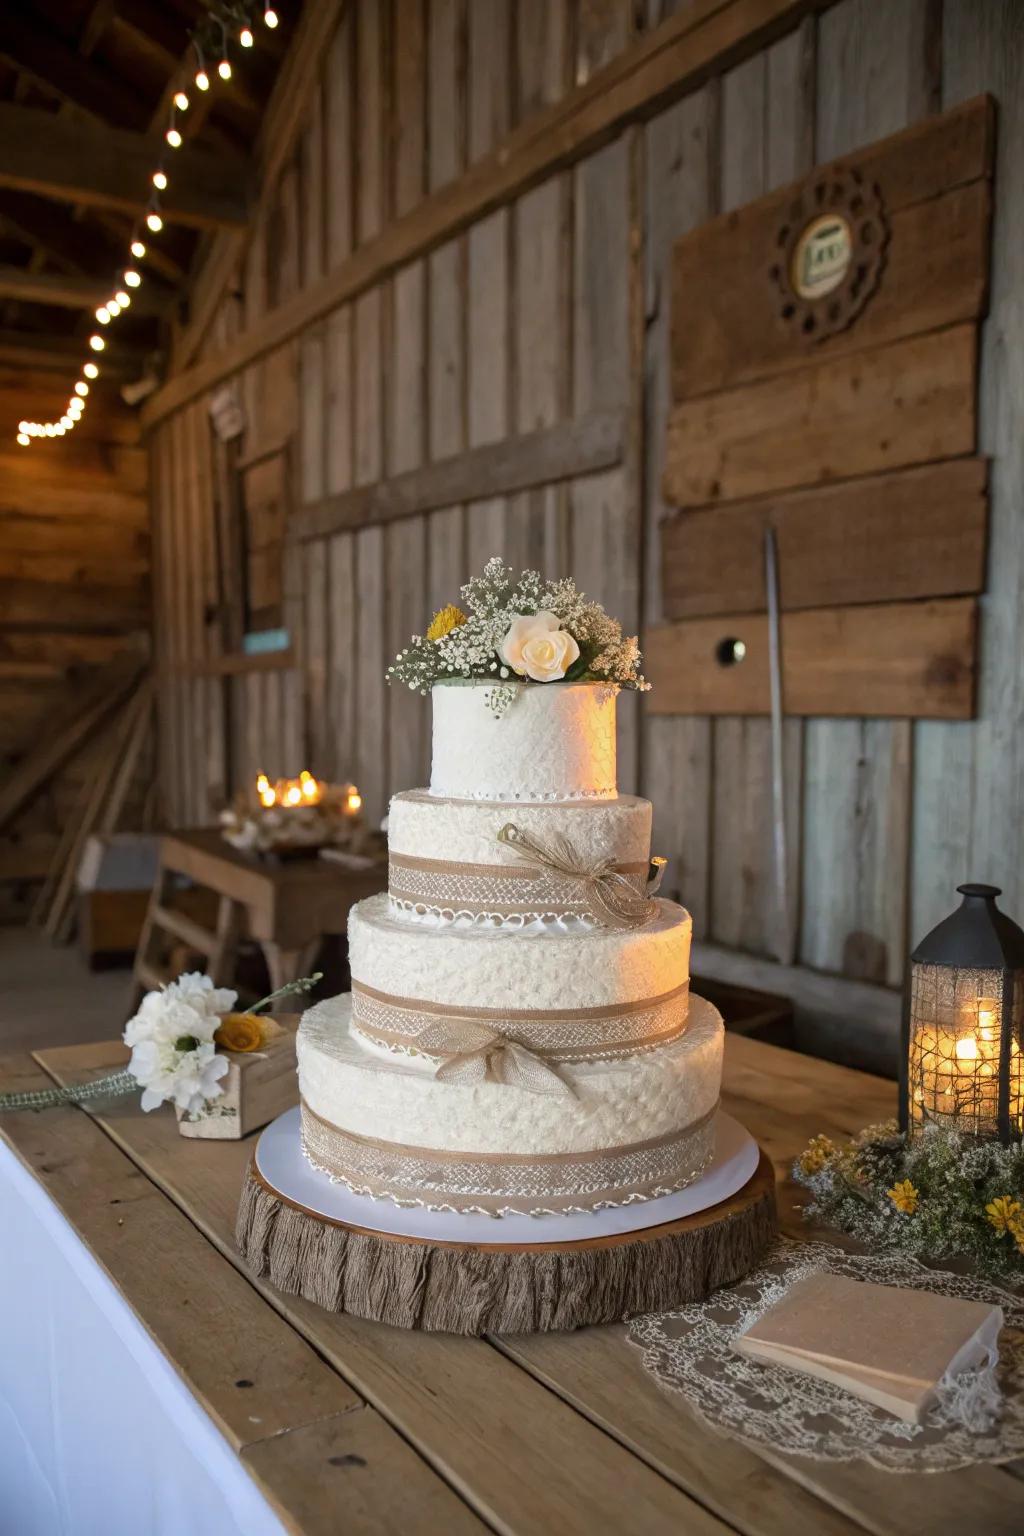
[227,23]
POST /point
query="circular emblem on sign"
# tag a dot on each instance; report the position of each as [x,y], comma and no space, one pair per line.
[829,253]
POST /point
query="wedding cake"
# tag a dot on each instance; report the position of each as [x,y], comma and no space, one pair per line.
[520,1036]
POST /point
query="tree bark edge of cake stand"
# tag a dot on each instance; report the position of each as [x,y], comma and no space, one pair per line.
[450,1287]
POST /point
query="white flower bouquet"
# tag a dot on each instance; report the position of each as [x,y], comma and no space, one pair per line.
[518,631]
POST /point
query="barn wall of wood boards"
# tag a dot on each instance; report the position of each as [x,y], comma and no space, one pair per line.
[498,382]
[74,612]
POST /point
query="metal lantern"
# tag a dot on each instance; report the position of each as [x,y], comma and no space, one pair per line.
[961,1065]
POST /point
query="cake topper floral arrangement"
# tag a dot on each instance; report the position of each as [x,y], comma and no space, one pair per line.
[516,631]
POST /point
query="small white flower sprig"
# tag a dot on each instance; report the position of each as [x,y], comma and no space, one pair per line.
[517,631]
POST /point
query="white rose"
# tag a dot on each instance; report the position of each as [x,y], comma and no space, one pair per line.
[548,657]
[535,647]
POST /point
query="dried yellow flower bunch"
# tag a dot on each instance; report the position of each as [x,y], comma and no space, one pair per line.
[444,621]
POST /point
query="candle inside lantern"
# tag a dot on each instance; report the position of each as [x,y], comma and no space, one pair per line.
[958,1068]
[353,800]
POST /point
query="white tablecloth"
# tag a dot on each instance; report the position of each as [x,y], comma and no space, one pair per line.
[98,1435]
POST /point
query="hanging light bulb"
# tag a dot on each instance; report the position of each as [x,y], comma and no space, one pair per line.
[160,180]
[202,80]
[113,308]
[50,429]
[270,18]
[224,69]
[23,426]
[103,315]
[246,38]
[138,249]
[97,343]
[24,439]
[181,101]
[66,421]
[82,388]
[91,371]
[173,138]
[132,278]
[154,222]
[59,429]
[124,299]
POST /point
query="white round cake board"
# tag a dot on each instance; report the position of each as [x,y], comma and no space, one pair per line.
[281,1164]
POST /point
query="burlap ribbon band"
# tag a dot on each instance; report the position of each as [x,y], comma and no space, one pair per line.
[517,1046]
[550,879]
[500,1183]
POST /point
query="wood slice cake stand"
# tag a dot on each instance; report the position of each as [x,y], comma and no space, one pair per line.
[451,1286]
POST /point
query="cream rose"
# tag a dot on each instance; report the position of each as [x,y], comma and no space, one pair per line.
[535,647]
[522,630]
[548,657]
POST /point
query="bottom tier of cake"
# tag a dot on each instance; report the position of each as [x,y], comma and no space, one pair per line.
[625,1130]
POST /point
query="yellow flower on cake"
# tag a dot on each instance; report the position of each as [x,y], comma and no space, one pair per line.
[904,1197]
[240,1032]
[444,621]
[1005,1214]
[535,647]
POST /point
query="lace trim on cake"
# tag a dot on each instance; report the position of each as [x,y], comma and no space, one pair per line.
[500,890]
[484,919]
[508,1184]
[559,1034]
[528,797]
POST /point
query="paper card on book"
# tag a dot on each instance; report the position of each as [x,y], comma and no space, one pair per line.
[889,1345]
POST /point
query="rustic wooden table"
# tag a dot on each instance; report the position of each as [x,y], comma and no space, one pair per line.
[288,906]
[346,1424]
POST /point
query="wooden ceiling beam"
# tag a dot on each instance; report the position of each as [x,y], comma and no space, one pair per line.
[23,349]
[94,166]
[68,291]
[61,71]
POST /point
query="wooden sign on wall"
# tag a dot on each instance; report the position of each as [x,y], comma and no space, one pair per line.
[824,371]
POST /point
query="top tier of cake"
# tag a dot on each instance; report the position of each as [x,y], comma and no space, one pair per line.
[554,742]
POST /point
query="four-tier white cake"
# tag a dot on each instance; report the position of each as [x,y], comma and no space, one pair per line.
[520,1036]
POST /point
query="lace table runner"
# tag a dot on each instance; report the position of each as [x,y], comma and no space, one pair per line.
[980,1418]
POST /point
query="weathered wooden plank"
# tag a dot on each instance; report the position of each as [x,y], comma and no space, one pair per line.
[446,107]
[680,189]
[371,122]
[660,68]
[603,29]
[726,327]
[541,319]
[355,1461]
[916,533]
[339,141]
[369,757]
[408,713]
[889,80]
[159,1263]
[91,164]
[516,463]
[864,413]
[339,402]
[901,659]
[488,265]
[605,510]
[967,779]
[369,445]
[342,663]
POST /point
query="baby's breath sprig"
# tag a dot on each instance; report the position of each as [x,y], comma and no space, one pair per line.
[464,644]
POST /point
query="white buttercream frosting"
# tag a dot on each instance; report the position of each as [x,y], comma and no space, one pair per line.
[547,968]
[397,1099]
[424,826]
[555,741]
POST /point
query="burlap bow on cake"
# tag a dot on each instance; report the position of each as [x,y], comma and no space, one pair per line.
[476,1053]
[614,899]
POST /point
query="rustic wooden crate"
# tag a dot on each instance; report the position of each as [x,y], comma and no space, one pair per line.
[258,1087]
